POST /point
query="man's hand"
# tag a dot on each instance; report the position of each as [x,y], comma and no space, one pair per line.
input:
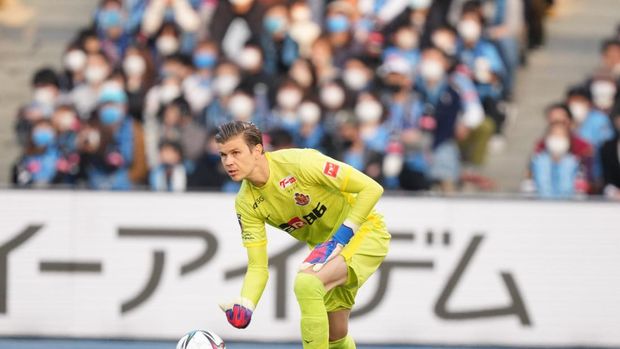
[328,250]
[238,312]
[321,254]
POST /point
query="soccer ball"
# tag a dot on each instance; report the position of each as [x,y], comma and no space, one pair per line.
[200,339]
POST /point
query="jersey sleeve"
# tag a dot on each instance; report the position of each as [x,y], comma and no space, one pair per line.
[253,231]
[256,275]
[323,170]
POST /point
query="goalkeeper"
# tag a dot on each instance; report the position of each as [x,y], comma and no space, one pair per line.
[315,199]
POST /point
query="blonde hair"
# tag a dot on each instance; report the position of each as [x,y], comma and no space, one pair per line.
[251,134]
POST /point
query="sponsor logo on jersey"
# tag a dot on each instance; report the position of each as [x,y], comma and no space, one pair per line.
[331,169]
[297,223]
[285,182]
[258,201]
[302,199]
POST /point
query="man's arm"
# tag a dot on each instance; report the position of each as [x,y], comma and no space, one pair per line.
[323,170]
[239,311]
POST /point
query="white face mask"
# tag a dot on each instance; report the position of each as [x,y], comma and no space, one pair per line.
[603,93]
[224,85]
[368,111]
[579,111]
[355,79]
[168,93]
[75,60]
[249,59]
[304,32]
[134,65]
[167,45]
[392,164]
[431,70]
[469,29]
[198,98]
[44,95]
[241,107]
[96,74]
[420,4]
[557,145]
[332,97]
[309,113]
[289,98]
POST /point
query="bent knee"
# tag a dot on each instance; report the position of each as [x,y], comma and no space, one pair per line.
[308,285]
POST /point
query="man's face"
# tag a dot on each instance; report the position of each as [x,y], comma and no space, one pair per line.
[238,159]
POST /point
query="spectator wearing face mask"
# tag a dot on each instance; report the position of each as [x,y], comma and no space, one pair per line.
[288,99]
[404,44]
[74,63]
[110,26]
[474,130]
[139,73]
[559,113]
[108,165]
[311,131]
[357,75]
[181,14]
[166,42]
[84,97]
[339,32]
[225,82]
[254,77]
[403,103]
[590,124]
[66,126]
[177,125]
[303,29]
[170,175]
[442,105]
[251,11]
[610,161]
[198,87]
[335,103]
[280,50]
[37,165]
[604,91]
[45,94]
[555,171]
[484,61]
[370,114]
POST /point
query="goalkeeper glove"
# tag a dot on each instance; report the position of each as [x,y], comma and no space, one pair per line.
[328,250]
[238,312]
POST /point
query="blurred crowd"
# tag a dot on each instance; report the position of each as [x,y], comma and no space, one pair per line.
[412,92]
[579,153]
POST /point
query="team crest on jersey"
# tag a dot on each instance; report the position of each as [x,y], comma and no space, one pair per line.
[285,182]
[302,199]
[331,169]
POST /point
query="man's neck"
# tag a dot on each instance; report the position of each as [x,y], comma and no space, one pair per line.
[260,175]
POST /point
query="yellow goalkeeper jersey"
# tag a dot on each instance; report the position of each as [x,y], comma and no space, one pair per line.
[308,195]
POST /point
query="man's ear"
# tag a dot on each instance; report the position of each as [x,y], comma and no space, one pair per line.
[259,148]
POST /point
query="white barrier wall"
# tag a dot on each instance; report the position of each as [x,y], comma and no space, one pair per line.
[460,271]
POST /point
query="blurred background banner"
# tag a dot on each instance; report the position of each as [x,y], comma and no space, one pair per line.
[460,271]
